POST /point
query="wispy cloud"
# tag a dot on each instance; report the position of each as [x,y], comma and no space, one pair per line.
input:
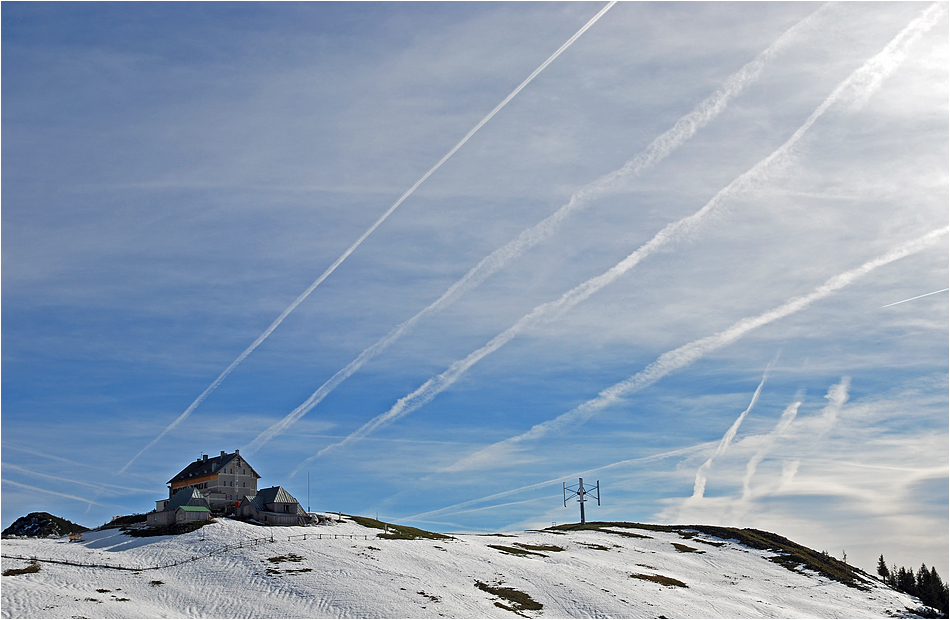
[84,500]
[689,353]
[867,77]
[787,417]
[101,487]
[283,315]
[699,486]
[660,148]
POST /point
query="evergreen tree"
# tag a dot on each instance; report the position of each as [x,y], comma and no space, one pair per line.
[924,587]
[882,568]
[906,581]
[941,592]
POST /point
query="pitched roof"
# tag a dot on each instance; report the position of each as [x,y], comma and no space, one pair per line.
[184,497]
[275,494]
[194,509]
[207,466]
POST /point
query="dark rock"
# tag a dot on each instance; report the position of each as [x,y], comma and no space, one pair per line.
[42,525]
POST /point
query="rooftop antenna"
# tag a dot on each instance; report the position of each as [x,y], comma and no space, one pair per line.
[308,491]
[581,493]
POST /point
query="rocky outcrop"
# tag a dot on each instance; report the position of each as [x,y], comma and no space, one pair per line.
[42,525]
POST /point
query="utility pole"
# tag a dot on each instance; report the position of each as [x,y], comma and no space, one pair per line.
[308,491]
[581,493]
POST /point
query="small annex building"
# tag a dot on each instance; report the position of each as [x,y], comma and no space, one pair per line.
[223,479]
[188,505]
[273,506]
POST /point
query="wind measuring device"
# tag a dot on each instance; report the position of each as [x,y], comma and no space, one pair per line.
[581,494]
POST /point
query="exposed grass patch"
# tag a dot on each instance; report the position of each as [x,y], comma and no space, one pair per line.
[686,548]
[660,579]
[551,548]
[600,526]
[520,601]
[156,582]
[791,555]
[515,550]
[594,546]
[710,543]
[123,599]
[290,557]
[102,590]
[32,567]
[398,532]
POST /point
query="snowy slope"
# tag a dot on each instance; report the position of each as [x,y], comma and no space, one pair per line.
[373,577]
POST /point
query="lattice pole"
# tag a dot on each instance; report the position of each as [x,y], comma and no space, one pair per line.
[581,494]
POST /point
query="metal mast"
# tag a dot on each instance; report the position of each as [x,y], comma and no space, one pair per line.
[581,493]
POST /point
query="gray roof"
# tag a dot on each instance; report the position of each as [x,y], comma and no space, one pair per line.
[207,466]
[272,495]
[185,498]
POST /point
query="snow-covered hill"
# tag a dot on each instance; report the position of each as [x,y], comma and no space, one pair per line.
[347,570]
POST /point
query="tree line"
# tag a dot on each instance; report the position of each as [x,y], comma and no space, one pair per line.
[924,584]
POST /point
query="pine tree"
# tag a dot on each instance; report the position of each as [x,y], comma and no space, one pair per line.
[924,587]
[942,594]
[906,581]
[882,568]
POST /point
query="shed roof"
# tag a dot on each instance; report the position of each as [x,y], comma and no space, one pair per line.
[193,509]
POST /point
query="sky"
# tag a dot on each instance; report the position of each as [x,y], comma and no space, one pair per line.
[663,264]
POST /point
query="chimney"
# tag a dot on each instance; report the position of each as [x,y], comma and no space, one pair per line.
[236,451]
[204,457]
[222,453]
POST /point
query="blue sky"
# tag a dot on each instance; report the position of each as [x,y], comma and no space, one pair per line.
[175,176]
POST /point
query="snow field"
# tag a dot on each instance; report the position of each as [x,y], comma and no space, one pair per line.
[347,578]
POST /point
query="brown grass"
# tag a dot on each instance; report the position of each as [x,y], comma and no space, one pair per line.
[660,579]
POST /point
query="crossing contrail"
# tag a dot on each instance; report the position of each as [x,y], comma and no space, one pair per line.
[868,76]
[684,129]
[943,290]
[787,417]
[689,353]
[369,231]
[699,486]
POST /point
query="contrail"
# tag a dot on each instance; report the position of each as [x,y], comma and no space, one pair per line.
[32,488]
[689,353]
[699,486]
[783,423]
[684,129]
[640,460]
[943,290]
[868,75]
[101,486]
[369,231]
